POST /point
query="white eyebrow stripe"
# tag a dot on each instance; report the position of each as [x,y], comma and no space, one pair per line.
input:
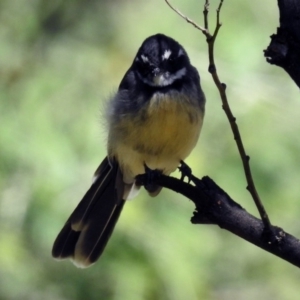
[144,58]
[180,52]
[166,54]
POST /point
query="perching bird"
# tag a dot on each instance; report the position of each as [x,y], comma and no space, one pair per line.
[154,120]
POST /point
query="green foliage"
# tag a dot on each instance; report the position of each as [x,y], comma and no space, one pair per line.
[59,62]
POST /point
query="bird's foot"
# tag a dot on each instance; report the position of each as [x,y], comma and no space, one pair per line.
[151,176]
[185,171]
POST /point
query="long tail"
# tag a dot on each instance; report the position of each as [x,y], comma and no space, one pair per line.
[88,229]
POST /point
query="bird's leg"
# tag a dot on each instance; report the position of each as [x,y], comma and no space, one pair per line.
[185,171]
[151,175]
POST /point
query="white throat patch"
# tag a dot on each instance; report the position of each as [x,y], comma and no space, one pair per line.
[166,54]
[168,79]
[164,79]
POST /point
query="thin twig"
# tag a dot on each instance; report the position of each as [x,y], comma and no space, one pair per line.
[225,105]
[205,13]
[203,30]
[232,120]
[218,24]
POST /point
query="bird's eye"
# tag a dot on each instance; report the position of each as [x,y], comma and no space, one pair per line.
[171,60]
[172,64]
[143,65]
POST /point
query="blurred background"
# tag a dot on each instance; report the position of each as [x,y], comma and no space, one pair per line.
[59,62]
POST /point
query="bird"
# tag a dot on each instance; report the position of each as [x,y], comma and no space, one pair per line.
[154,120]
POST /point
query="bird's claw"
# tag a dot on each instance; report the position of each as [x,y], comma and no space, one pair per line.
[151,176]
[185,171]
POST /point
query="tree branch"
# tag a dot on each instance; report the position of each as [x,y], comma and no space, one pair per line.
[214,206]
[284,48]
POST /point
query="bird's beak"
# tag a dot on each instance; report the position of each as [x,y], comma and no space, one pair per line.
[160,76]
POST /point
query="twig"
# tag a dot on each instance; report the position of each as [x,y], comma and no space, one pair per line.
[225,105]
[232,120]
[203,30]
[205,13]
[218,24]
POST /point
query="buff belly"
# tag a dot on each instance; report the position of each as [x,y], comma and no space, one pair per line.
[160,136]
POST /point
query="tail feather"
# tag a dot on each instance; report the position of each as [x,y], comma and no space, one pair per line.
[94,238]
[87,231]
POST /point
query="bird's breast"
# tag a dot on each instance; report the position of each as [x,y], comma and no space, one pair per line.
[161,134]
